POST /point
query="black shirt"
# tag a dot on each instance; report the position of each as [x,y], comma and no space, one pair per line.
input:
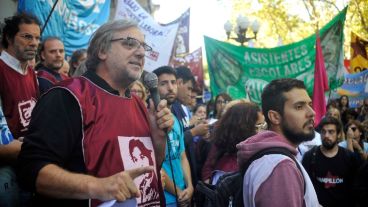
[332,177]
[55,137]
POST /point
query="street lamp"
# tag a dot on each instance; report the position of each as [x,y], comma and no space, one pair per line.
[242,25]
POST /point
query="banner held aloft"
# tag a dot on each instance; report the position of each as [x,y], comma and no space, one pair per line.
[243,72]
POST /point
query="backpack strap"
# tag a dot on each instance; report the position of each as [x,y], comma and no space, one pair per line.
[230,191]
[313,161]
[207,189]
[268,151]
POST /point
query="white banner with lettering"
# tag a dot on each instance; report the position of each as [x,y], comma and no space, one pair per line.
[160,38]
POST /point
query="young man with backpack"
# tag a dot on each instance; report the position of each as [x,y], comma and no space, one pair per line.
[276,179]
[331,167]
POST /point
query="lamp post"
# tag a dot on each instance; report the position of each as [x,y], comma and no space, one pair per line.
[242,25]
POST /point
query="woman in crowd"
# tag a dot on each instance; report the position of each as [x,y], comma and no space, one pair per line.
[349,115]
[220,102]
[363,111]
[199,114]
[202,144]
[334,112]
[241,120]
[354,139]
[332,103]
[139,90]
[77,58]
[343,103]
[65,70]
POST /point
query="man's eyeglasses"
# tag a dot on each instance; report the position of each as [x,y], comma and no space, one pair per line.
[261,126]
[132,43]
[29,37]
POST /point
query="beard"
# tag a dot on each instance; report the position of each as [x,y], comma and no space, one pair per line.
[170,101]
[296,137]
[54,66]
[328,145]
[125,77]
[133,77]
[25,54]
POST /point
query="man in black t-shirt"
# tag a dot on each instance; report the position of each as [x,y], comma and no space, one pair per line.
[331,168]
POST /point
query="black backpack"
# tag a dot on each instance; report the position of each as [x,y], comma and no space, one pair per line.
[228,191]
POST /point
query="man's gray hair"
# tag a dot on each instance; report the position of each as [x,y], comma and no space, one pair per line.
[101,40]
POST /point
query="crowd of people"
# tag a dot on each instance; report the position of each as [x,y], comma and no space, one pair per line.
[88,132]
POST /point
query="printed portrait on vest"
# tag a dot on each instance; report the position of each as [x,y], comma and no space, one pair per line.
[142,156]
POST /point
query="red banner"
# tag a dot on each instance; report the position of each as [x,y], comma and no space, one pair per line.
[194,62]
[320,84]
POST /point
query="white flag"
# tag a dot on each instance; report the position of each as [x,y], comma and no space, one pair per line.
[160,38]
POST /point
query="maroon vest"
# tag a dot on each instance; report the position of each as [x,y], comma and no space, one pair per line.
[50,77]
[116,137]
[19,94]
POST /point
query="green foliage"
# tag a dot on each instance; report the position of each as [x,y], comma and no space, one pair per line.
[357,18]
[279,20]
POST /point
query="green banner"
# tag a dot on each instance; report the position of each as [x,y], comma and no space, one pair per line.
[243,72]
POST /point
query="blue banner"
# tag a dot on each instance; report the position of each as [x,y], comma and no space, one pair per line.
[355,87]
[72,21]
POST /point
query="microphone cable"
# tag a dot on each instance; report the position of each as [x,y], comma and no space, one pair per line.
[169,150]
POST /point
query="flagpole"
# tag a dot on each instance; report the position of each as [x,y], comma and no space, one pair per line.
[329,80]
[48,17]
[329,91]
[247,91]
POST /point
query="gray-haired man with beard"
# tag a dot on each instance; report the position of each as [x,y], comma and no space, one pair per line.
[77,150]
[331,167]
[274,179]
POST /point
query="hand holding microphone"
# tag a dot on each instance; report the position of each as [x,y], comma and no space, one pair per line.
[163,116]
[151,82]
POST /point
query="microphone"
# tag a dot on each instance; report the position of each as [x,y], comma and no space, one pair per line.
[151,81]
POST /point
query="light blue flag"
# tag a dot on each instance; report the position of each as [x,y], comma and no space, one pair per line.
[72,21]
[355,87]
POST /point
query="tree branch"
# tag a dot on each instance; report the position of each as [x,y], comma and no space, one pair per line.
[361,15]
[306,6]
[331,3]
